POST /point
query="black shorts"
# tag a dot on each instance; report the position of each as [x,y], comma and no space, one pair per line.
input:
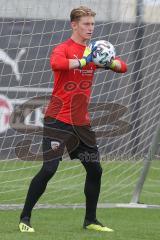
[80,141]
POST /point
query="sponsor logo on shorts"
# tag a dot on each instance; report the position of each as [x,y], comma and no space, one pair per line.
[55,145]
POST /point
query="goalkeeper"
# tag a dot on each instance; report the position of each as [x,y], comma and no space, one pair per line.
[67,121]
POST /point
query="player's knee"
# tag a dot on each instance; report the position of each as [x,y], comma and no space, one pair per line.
[99,172]
[48,171]
[95,173]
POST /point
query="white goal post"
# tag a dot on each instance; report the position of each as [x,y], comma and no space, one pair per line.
[125,108]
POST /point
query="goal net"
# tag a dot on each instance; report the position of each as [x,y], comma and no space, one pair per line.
[125,108]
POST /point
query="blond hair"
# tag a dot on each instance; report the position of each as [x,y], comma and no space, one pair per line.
[81,11]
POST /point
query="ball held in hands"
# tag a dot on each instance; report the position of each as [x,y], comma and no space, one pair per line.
[103,52]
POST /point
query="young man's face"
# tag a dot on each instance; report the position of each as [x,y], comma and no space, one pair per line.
[84,27]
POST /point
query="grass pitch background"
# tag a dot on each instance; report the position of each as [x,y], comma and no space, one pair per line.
[66,224]
[66,187]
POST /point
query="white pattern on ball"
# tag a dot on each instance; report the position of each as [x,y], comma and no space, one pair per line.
[104,52]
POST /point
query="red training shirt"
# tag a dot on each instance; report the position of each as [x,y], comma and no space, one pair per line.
[72,87]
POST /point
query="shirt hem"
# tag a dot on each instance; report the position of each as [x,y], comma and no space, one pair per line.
[68,122]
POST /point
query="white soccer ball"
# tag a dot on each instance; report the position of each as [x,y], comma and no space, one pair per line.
[104,52]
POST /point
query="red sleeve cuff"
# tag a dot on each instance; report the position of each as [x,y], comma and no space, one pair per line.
[121,66]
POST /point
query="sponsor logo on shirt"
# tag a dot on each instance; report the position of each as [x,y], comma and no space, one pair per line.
[84,72]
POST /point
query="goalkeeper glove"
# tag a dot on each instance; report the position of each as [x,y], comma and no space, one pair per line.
[108,65]
[116,65]
[87,56]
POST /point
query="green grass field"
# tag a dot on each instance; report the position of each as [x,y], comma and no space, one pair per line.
[118,182]
[66,187]
[60,224]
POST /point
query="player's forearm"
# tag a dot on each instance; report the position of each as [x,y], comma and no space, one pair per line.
[59,63]
[118,66]
[64,64]
[73,63]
